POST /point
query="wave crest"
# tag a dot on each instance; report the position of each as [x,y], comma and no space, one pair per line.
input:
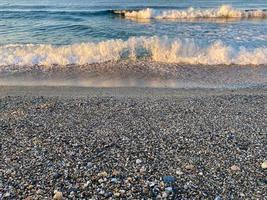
[225,11]
[156,48]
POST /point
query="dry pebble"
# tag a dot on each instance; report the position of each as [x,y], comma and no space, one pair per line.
[264,165]
[58,195]
[235,168]
[133,147]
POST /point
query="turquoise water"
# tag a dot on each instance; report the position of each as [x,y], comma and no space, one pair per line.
[82,31]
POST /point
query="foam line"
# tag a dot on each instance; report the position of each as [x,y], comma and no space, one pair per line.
[155,48]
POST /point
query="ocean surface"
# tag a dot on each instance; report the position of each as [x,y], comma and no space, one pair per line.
[81,32]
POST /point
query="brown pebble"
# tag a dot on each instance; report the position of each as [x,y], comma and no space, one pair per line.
[190,167]
[58,195]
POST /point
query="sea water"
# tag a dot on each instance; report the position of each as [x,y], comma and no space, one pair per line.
[80,32]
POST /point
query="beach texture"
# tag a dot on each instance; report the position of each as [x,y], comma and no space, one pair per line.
[124,143]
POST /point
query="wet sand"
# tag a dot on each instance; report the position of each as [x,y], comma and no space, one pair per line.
[139,73]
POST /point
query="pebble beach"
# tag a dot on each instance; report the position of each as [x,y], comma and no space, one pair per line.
[132,143]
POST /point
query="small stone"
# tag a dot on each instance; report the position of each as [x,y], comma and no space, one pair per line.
[235,168]
[242,194]
[138,161]
[218,198]
[169,179]
[72,190]
[39,191]
[152,184]
[108,194]
[30,187]
[89,164]
[179,172]
[101,180]
[117,194]
[164,195]
[7,194]
[115,173]
[86,184]
[122,191]
[143,169]
[101,192]
[114,180]
[264,164]
[128,180]
[190,167]
[103,174]
[168,189]
[72,193]
[58,195]
[57,175]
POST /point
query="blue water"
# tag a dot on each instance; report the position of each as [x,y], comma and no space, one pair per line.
[68,22]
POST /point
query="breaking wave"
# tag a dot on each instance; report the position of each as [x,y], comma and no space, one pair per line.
[155,48]
[225,11]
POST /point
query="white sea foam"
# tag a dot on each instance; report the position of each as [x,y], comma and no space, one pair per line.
[156,48]
[224,11]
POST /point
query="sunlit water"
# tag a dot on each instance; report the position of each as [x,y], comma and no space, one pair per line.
[64,32]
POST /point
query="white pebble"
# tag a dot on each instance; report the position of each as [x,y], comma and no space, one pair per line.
[138,161]
[264,165]
[179,172]
[168,189]
[164,195]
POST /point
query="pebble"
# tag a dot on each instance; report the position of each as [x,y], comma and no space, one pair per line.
[168,189]
[114,180]
[169,179]
[138,161]
[190,167]
[101,192]
[122,191]
[58,195]
[152,184]
[30,187]
[159,153]
[57,175]
[164,195]
[115,173]
[264,164]
[86,184]
[39,191]
[103,174]
[7,194]
[235,168]
[143,169]
[218,198]
[179,172]
[117,194]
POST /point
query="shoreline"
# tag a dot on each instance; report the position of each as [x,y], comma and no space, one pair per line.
[77,91]
[137,73]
